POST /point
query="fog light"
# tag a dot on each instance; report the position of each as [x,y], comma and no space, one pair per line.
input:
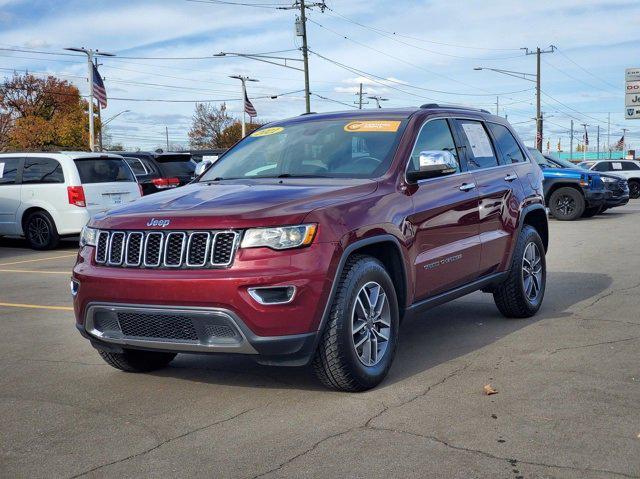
[74,286]
[273,294]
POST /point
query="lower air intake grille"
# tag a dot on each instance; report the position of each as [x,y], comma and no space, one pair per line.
[157,326]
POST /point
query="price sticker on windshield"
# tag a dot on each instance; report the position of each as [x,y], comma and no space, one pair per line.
[268,131]
[372,126]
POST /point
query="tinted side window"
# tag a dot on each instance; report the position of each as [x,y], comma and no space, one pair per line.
[8,170]
[480,153]
[434,135]
[507,143]
[627,166]
[42,170]
[136,165]
[604,166]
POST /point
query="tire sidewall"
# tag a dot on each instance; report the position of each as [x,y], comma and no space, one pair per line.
[530,235]
[368,270]
[576,195]
[634,195]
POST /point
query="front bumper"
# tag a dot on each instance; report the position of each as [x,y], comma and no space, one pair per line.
[210,298]
[594,198]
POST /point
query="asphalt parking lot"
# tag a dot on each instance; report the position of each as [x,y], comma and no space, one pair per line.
[568,381]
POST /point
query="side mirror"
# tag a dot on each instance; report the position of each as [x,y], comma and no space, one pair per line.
[203,165]
[434,163]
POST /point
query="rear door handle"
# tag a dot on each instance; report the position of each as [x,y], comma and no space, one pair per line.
[467,186]
[510,177]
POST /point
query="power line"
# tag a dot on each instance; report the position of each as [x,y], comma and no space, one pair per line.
[332,100]
[275,6]
[586,71]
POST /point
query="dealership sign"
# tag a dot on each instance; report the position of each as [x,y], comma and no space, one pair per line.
[632,94]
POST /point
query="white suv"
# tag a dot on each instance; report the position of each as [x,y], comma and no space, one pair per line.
[44,196]
[630,169]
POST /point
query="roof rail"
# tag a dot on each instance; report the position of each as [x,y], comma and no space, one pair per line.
[428,106]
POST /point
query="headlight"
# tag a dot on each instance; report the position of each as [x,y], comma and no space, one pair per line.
[284,237]
[88,236]
[606,179]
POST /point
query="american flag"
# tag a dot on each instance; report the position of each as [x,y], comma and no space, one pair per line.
[99,90]
[620,144]
[586,137]
[248,107]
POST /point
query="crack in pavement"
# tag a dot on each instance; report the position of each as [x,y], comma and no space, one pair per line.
[595,344]
[610,293]
[493,456]
[162,443]
[364,426]
[610,321]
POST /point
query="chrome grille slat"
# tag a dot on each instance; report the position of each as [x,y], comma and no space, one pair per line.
[167,249]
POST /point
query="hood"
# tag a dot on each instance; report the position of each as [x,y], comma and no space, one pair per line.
[235,204]
[567,173]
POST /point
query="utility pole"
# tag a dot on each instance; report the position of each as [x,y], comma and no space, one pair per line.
[90,54]
[243,80]
[585,140]
[624,143]
[166,134]
[305,56]
[571,143]
[598,141]
[359,101]
[609,133]
[537,53]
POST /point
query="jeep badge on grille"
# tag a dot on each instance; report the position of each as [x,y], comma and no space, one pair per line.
[161,223]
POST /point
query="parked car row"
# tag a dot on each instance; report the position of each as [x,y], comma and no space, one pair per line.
[586,189]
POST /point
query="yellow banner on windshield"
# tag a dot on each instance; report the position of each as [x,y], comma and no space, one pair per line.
[372,125]
[268,131]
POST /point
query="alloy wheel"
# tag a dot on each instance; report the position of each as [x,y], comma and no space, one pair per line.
[566,205]
[371,324]
[38,231]
[532,274]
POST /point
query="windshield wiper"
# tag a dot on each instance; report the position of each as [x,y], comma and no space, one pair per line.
[289,175]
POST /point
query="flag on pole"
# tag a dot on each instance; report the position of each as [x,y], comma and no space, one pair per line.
[248,107]
[620,144]
[99,91]
[559,145]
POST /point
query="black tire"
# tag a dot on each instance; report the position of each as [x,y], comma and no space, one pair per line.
[634,189]
[592,211]
[40,231]
[135,361]
[511,296]
[337,362]
[566,204]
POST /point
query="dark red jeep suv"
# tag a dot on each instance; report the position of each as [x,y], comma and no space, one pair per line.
[312,238]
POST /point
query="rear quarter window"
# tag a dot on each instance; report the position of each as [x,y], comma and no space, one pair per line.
[103,170]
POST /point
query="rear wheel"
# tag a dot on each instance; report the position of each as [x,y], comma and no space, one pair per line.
[359,342]
[40,231]
[566,204]
[634,189]
[135,361]
[520,296]
[590,212]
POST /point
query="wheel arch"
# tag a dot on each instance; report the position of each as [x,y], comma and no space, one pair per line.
[29,211]
[536,217]
[556,185]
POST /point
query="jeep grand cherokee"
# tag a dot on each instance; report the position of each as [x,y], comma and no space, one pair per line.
[312,238]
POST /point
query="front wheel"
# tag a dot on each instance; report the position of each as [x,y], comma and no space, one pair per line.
[520,296]
[566,204]
[634,189]
[359,341]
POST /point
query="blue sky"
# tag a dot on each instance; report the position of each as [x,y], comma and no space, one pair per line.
[430,57]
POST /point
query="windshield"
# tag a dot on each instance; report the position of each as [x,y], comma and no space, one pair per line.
[586,164]
[563,163]
[541,160]
[342,148]
[103,170]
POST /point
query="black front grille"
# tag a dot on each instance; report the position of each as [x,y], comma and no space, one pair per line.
[166,249]
[157,326]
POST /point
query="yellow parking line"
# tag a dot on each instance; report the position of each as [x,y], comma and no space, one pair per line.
[36,306]
[68,273]
[39,259]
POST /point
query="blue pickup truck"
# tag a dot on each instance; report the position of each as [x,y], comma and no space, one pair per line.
[570,192]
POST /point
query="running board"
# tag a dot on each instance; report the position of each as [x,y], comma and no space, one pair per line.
[438,299]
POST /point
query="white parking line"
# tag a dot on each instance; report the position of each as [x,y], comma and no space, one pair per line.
[39,259]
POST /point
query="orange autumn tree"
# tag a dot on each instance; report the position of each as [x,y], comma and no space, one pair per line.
[42,114]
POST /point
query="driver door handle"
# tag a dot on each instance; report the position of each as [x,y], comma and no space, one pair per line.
[510,178]
[467,186]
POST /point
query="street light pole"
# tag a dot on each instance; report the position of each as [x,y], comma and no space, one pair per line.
[90,54]
[377,99]
[243,80]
